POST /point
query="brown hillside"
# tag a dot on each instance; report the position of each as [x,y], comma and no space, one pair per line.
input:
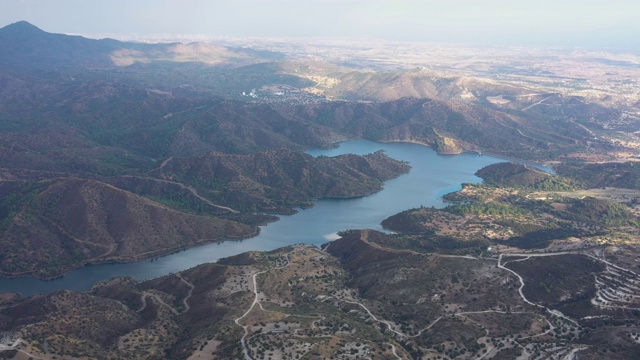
[511,174]
[77,221]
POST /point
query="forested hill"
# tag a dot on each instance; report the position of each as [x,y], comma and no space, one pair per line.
[621,175]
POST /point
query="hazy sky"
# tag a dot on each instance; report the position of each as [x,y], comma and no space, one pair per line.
[543,22]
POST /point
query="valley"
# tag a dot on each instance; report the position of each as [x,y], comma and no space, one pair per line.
[114,154]
[314,225]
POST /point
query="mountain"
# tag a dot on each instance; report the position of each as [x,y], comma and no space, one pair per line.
[106,126]
[26,47]
[155,101]
[450,127]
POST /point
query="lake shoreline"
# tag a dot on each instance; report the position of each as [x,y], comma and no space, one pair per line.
[548,164]
[138,258]
[431,173]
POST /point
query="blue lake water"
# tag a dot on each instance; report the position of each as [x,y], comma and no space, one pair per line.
[431,176]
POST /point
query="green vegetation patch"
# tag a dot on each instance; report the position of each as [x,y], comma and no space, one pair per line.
[14,196]
[599,212]
[490,208]
[621,175]
[525,177]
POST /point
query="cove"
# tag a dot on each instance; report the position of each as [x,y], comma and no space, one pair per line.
[432,175]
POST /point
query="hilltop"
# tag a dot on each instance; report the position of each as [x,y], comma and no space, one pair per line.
[511,174]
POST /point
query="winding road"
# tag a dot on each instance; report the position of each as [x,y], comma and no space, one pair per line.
[256,300]
[185,300]
[551,311]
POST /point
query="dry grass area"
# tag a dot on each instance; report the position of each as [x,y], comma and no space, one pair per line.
[82,325]
[608,193]
[623,256]
[298,314]
[464,227]
[587,242]
[205,352]
[358,299]
[595,157]
[572,244]
[6,298]
[500,324]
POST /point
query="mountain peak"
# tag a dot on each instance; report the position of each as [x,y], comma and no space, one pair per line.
[27,46]
[24,27]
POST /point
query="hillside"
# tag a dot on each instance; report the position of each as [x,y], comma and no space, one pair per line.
[51,227]
[162,99]
[92,118]
[511,174]
[620,175]
[450,127]
[357,297]
[275,180]
[60,223]
[526,215]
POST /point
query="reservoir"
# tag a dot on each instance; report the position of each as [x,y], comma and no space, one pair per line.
[431,176]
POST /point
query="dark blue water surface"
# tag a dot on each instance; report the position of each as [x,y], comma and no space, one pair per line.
[431,177]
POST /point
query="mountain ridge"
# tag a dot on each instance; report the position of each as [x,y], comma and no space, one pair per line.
[27,47]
